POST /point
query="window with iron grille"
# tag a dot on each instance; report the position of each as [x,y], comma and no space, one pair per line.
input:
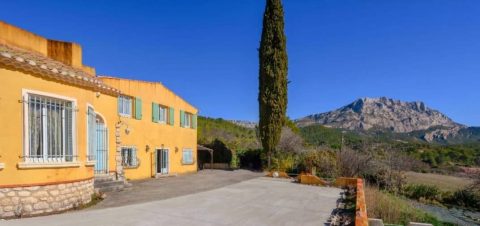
[187,157]
[50,129]
[129,157]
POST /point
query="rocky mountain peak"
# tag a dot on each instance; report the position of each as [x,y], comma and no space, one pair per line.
[382,113]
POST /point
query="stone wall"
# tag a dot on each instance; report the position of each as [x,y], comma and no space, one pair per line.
[38,200]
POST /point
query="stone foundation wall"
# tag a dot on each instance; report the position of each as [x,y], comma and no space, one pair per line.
[38,200]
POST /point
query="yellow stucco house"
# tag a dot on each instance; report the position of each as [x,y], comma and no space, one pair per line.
[67,131]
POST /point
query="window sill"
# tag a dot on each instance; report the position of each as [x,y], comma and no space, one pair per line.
[124,115]
[90,163]
[29,165]
[131,167]
[2,166]
[190,163]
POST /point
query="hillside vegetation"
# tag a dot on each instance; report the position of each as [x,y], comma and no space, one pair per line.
[233,135]
[436,155]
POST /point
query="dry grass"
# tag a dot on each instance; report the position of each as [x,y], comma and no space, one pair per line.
[392,209]
[443,182]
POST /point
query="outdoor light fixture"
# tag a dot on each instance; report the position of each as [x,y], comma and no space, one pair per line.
[147,148]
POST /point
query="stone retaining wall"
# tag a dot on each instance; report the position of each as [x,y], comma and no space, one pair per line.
[38,200]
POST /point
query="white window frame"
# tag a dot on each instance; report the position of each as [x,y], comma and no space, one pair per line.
[158,150]
[187,120]
[123,110]
[88,154]
[137,161]
[192,160]
[166,112]
[26,140]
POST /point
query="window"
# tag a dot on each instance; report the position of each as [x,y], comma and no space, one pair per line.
[49,129]
[187,157]
[125,106]
[188,120]
[163,114]
[129,157]
[91,133]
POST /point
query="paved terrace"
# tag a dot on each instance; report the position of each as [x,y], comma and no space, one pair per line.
[226,201]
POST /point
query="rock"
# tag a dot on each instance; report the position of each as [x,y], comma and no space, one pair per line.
[385,114]
[24,193]
[27,208]
[41,205]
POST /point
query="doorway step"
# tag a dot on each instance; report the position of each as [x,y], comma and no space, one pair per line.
[107,183]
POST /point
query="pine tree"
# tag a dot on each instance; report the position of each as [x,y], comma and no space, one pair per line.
[272,95]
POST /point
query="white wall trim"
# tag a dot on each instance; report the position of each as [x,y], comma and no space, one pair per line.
[87,138]
[28,165]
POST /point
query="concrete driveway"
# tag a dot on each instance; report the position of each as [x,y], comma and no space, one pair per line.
[258,201]
[170,187]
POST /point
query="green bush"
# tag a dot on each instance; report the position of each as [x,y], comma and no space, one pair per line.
[465,198]
[250,158]
[324,160]
[422,191]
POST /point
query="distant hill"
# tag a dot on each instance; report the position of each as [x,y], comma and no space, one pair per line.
[234,135]
[243,123]
[396,119]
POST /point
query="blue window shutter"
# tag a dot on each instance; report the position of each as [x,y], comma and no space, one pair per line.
[134,156]
[171,116]
[182,118]
[138,108]
[194,121]
[119,100]
[155,112]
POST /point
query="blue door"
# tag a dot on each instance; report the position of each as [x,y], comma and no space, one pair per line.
[101,165]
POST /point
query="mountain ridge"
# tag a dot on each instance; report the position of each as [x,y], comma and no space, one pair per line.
[382,113]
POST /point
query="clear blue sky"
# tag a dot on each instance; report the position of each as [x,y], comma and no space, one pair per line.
[206,50]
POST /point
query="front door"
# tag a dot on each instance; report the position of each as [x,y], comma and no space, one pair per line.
[162,161]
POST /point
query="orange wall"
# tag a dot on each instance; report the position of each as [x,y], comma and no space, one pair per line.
[11,134]
[145,132]
[141,132]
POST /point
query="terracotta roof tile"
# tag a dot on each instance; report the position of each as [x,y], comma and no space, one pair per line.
[42,65]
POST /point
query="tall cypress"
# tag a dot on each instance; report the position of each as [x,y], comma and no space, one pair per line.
[272,96]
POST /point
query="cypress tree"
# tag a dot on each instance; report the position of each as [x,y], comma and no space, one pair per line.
[272,96]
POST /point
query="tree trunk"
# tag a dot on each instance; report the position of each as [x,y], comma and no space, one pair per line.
[269,157]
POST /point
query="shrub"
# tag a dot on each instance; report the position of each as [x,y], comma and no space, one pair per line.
[284,162]
[465,198]
[250,159]
[422,192]
[325,162]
